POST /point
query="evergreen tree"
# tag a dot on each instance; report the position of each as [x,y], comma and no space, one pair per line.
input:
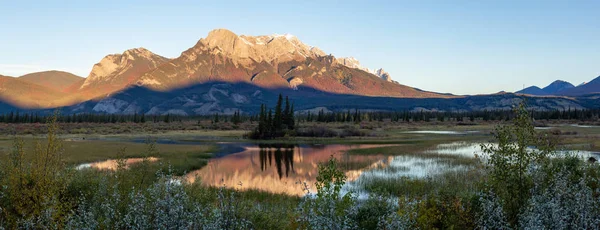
[286,113]
[236,117]
[320,116]
[270,124]
[291,120]
[262,122]
[277,118]
[348,117]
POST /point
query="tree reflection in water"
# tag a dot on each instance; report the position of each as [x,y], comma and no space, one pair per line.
[283,155]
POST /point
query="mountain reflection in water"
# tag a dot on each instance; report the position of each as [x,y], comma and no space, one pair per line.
[279,168]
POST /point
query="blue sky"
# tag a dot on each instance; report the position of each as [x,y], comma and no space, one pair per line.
[461,47]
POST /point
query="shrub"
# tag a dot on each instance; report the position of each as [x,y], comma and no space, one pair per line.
[527,190]
[34,184]
[329,208]
[564,203]
[381,212]
[510,160]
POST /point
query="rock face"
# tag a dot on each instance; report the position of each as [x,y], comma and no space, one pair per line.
[272,61]
[383,75]
[118,71]
[272,49]
[352,62]
[55,80]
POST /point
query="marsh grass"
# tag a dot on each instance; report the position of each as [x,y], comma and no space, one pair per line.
[459,183]
[418,151]
[181,158]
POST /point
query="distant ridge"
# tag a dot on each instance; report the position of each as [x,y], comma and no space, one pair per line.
[592,87]
[554,88]
[53,79]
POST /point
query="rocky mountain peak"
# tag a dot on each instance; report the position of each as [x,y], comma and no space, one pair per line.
[383,75]
[139,52]
[352,62]
[115,65]
[269,48]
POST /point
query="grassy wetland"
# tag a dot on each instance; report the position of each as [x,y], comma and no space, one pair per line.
[367,174]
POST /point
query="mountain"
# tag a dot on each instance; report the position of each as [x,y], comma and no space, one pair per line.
[554,88]
[24,94]
[563,88]
[588,88]
[532,90]
[116,72]
[270,61]
[384,75]
[227,98]
[352,62]
[557,86]
[55,80]
[225,72]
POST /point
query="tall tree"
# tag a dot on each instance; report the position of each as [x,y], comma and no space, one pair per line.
[262,121]
[286,113]
[291,120]
[270,124]
[277,118]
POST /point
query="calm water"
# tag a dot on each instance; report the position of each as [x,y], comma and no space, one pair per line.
[281,168]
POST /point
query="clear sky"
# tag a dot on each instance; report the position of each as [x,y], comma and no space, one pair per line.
[461,47]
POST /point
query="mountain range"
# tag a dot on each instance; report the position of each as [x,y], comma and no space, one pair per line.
[225,72]
[563,88]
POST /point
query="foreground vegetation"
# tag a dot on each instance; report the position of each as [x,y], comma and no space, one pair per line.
[513,186]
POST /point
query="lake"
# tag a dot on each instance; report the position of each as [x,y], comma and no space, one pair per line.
[282,168]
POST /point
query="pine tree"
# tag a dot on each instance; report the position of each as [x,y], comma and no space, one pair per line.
[277,119]
[236,117]
[320,116]
[348,117]
[270,124]
[291,120]
[262,122]
[286,113]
